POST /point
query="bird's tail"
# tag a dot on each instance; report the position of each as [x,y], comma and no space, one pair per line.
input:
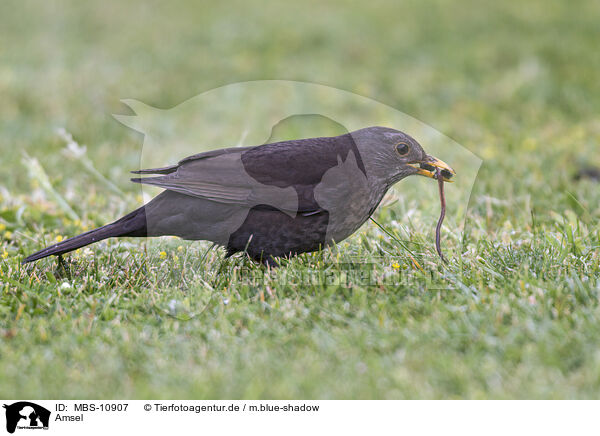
[132,224]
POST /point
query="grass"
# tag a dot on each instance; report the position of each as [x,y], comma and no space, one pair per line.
[515,313]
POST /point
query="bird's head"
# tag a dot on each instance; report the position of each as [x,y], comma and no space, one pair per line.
[392,155]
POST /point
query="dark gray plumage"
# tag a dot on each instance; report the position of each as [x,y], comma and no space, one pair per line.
[272,200]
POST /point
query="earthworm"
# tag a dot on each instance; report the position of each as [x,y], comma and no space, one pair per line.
[438,247]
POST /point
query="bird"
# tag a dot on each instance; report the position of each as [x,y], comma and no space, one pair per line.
[271,201]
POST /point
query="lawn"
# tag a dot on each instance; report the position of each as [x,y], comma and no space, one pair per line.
[515,312]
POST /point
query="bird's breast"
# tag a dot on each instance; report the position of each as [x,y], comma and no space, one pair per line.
[350,212]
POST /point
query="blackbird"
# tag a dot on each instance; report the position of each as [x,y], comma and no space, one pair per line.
[273,200]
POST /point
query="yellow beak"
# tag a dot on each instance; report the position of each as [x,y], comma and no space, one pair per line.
[428,167]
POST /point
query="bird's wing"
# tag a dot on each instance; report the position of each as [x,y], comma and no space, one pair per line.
[206,155]
[282,174]
[221,177]
[201,189]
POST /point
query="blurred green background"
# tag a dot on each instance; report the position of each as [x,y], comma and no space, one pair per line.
[515,82]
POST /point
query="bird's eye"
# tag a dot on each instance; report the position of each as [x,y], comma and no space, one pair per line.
[402,148]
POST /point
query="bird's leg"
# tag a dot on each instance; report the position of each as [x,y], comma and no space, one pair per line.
[63,264]
[270,262]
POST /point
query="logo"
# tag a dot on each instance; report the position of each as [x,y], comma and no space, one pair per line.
[26,415]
